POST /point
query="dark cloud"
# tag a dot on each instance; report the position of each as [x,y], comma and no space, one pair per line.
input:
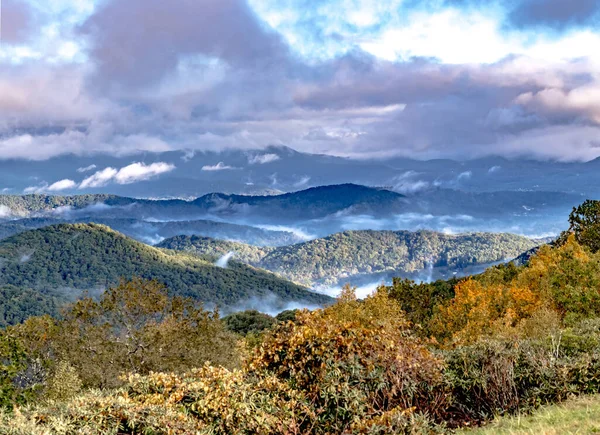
[17,21]
[137,42]
[558,14]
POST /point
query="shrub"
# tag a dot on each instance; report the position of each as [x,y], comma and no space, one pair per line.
[354,361]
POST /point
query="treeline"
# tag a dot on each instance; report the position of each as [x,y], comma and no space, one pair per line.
[343,255]
[23,205]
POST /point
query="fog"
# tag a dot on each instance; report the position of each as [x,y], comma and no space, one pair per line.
[223,262]
[270,304]
[5,212]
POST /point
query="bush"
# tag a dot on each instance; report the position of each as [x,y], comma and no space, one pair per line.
[354,361]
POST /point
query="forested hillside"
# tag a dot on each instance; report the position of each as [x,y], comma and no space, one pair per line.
[351,253]
[74,258]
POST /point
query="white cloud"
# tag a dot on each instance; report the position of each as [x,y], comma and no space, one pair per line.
[86,169]
[62,185]
[129,174]
[99,179]
[218,167]
[141,172]
[5,212]
[263,158]
[40,188]
[494,169]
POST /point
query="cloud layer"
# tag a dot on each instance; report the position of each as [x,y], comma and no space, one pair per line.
[362,78]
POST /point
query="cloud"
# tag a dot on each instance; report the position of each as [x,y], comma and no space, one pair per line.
[302,182]
[40,188]
[5,212]
[99,179]
[132,47]
[356,79]
[126,175]
[141,172]
[262,159]
[16,21]
[86,169]
[62,185]
[218,167]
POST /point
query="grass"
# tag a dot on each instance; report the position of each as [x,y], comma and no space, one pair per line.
[576,416]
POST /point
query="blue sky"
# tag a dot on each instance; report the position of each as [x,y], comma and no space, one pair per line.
[361,78]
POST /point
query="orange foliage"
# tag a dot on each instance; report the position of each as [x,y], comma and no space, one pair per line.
[476,309]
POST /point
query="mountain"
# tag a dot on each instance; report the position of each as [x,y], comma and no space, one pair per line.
[280,168]
[324,210]
[353,256]
[71,258]
[153,232]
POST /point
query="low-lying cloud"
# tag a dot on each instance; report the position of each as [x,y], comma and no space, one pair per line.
[126,175]
[261,159]
[218,167]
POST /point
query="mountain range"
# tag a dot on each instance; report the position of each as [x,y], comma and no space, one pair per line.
[367,256]
[282,169]
[323,210]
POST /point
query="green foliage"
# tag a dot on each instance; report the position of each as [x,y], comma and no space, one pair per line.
[419,300]
[287,316]
[248,322]
[584,223]
[353,253]
[18,304]
[79,257]
[18,382]
[134,328]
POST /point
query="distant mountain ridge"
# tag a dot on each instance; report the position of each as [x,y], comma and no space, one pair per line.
[340,257]
[280,168]
[153,232]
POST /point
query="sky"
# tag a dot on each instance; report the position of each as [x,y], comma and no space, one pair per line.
[360,78]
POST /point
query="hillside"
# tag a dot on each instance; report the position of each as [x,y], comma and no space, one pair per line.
[77,257]
[352,253]
[153,232]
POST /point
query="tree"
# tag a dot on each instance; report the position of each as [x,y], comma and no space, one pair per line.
[135,327]
[584,223]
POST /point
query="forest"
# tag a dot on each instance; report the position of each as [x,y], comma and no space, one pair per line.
[411,358]
[339,257]
[66,260]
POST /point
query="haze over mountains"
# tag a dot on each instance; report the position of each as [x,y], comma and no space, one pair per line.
[282,169]
[316,212]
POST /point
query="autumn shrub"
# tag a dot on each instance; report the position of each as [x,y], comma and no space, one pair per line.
[353,361]
[63,383]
